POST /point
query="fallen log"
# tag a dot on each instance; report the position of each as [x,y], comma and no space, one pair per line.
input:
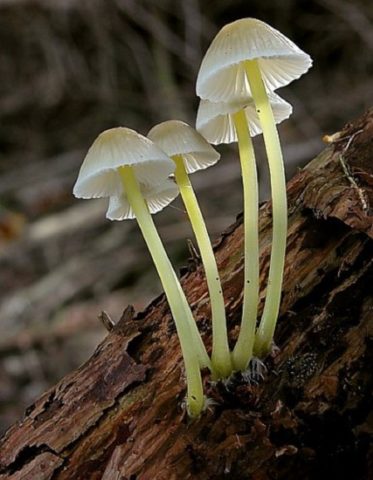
[121,414]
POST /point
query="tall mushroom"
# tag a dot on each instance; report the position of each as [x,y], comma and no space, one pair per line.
[133,171]
[190,152]
[227,123]
[250,57]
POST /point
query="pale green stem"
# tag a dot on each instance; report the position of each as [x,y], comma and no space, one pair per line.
[195,397]
[268,321]
[220,358]
[203,358]
[243,349]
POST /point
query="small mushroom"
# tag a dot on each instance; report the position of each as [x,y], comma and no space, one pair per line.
[226,123]
[248,57]
[191,152]
[215,120]
[157,197]
[133,171]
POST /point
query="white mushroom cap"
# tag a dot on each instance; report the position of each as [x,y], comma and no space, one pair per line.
[215,120]
[118,147]
[178,138]
[157,197]
[222,74]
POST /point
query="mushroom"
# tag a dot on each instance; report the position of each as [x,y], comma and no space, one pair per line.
[215,120]
[190,152]
[226,123]
[250,57]
[133,171]
[222,76]
[157,197]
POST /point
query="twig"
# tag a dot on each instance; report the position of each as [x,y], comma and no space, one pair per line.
[106,320]
[347,172]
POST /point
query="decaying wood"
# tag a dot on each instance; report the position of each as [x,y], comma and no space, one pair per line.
[121,415]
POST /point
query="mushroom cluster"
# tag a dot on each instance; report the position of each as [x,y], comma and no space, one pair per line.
[141,175]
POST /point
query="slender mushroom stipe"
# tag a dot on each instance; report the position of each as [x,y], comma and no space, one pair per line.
[191,152]
[271,309]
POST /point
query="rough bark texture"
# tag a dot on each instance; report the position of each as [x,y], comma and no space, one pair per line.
[120,416]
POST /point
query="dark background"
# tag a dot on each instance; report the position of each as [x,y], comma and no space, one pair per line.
[72,68]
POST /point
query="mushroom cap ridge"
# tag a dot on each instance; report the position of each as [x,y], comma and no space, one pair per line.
[222,75]
[118,147]
[178,138]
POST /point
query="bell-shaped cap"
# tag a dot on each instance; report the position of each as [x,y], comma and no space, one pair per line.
[222,74]
[119,147]
[156,197]
[215,120]
[178,138]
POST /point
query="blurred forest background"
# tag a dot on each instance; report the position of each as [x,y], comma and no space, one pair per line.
[72,68]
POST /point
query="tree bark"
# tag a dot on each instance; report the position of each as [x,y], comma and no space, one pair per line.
[121,415]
